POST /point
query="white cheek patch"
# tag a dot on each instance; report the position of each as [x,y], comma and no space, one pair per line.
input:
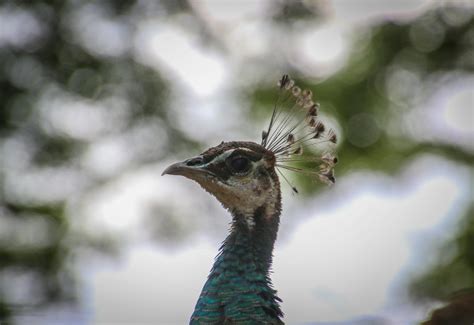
[244,194]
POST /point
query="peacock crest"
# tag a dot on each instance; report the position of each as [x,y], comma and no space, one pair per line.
[295,131]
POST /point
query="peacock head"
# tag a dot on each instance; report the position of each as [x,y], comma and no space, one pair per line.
[243,175]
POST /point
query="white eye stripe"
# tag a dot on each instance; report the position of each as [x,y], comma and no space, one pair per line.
[222,157]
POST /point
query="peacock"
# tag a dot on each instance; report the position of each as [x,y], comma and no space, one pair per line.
[243,176]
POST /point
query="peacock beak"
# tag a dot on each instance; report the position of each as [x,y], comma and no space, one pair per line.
[189,168]
[174,169]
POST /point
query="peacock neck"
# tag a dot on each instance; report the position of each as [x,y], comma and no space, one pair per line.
[252,239]
[239,287]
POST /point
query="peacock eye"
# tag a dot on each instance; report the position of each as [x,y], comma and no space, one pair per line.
[195,161]
[240,165]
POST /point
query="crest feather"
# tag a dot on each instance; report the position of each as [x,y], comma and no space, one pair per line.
[294,124]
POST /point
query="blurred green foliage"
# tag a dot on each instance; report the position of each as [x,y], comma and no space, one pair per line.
[357,97]
[38,246]
[454,270]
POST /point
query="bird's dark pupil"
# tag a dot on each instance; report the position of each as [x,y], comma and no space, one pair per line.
[240,164]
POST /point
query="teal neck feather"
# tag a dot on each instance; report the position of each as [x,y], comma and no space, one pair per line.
[238,289]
